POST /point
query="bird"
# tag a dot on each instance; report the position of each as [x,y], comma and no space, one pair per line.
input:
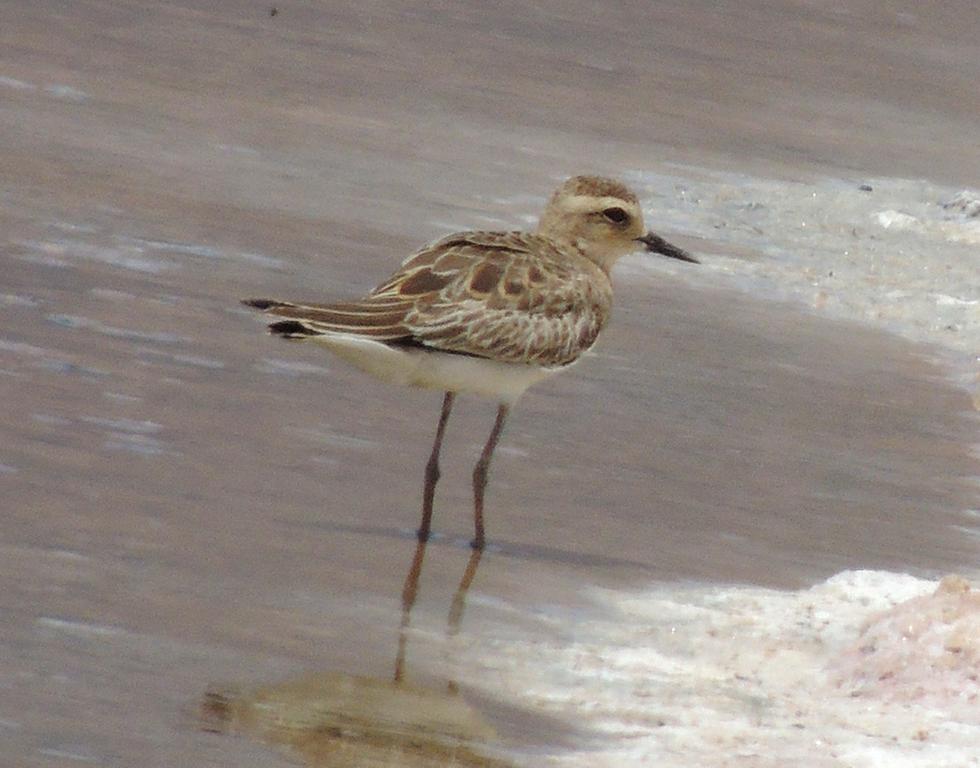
[486,313]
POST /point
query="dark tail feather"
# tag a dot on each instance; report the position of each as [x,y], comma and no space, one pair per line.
[379,320]
[287,329]
[291,329]
[264,304]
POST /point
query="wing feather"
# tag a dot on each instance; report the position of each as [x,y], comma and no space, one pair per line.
[509,296]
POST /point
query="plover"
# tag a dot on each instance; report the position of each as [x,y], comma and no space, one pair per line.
[489,313]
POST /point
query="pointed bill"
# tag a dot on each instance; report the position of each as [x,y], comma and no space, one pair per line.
[656,244]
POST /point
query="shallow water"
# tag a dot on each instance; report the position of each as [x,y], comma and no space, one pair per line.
[893,253]
[191,506]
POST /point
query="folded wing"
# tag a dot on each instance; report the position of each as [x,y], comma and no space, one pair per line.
[508,296]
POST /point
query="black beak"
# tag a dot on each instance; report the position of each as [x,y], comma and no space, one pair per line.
[656,244]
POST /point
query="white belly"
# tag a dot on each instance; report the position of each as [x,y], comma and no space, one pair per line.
[415,367]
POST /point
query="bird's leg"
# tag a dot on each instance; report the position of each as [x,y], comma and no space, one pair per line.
[432,468]
[480,474]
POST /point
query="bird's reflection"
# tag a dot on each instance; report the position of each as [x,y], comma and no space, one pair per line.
[409,594]
[336,719]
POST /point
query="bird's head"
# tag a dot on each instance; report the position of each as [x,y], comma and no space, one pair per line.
[602,219]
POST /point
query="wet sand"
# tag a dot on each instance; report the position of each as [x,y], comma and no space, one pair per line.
[187,500]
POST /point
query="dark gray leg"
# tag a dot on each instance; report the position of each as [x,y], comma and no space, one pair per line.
[480,475]
[432,468]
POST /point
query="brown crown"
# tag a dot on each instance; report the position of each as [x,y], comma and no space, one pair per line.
[595,186]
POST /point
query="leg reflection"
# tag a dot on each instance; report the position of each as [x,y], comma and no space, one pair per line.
[410,591]
[459,604]
[330,716]
[459,599]
[410,594]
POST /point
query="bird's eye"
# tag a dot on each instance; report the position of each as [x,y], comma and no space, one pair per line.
[616,215]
